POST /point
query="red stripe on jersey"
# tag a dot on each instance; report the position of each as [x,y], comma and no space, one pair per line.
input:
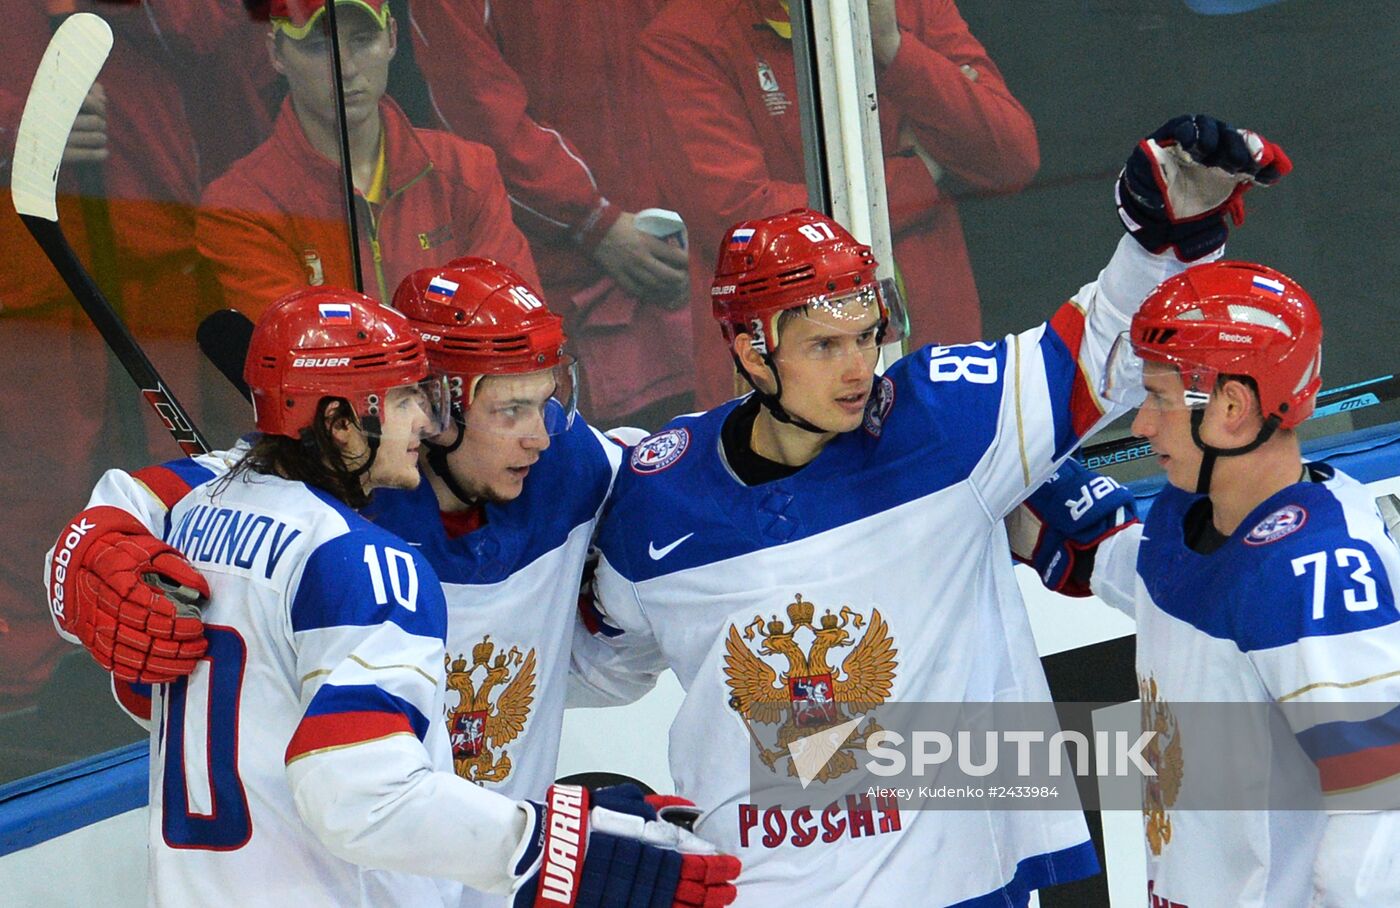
[134,702]
[588,614]
[340,729]
[1359,768]
[1084,410]
[164,482]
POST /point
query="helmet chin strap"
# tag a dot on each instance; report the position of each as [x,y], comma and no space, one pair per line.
[437,462]
[1266,431]
[772,402]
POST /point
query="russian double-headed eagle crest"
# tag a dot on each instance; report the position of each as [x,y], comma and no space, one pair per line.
[489,716]
[809,695]
[1163,754]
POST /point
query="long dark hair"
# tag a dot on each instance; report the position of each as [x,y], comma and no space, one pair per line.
[314,458]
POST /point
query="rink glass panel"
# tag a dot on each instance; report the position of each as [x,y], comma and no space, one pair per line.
[690,114]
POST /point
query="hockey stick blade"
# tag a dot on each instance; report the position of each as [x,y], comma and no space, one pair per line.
[65,76]
[1358,396]
[224,337]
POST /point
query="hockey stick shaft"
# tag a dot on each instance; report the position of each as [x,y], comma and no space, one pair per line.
[347,169]
[67,72]
[1345,399]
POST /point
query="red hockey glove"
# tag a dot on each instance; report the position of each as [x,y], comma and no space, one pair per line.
[131,600]
[611,847]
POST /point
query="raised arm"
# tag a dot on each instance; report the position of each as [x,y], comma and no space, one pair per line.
[1174,195]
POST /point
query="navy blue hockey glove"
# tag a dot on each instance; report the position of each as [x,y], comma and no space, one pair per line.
[1058,529]
[617,847]
[1181,181]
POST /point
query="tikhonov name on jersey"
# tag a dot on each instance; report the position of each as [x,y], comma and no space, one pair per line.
[877,573]
[1297,609]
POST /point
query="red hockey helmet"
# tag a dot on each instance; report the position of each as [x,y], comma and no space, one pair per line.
[1230,318]
[326,342]
[799,259]
[479,318]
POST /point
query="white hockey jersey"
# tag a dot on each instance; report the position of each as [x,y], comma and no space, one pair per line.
[1297,609]
[892,537]
[305,747]
[511,588]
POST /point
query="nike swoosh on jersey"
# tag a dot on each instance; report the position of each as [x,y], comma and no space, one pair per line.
[657,554]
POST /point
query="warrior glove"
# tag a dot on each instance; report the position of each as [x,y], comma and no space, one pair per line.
[615,847]
[1058,529]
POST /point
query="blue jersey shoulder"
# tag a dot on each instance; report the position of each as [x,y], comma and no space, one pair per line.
[1293,569]
[677,503]
[664,486]
[365,577]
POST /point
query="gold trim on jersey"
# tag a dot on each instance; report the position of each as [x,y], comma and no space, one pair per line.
[1340,685]
[152,492]
[1020,417]
[374,668]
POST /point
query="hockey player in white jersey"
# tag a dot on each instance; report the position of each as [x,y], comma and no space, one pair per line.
[367,753]
[836,508]
[511,495]
[1256,579]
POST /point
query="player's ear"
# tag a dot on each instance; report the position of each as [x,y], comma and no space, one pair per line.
[393,36]
[1240,411]
[339,424]
[752,361]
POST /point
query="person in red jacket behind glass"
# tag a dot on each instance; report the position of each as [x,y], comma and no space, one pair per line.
[276,221]
[553,89]
[725,125]
[140,153]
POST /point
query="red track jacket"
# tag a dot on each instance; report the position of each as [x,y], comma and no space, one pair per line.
[178,111]
[275,222]
[553,88]
[181,103]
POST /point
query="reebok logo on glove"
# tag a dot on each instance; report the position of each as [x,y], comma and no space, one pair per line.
[62,557]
